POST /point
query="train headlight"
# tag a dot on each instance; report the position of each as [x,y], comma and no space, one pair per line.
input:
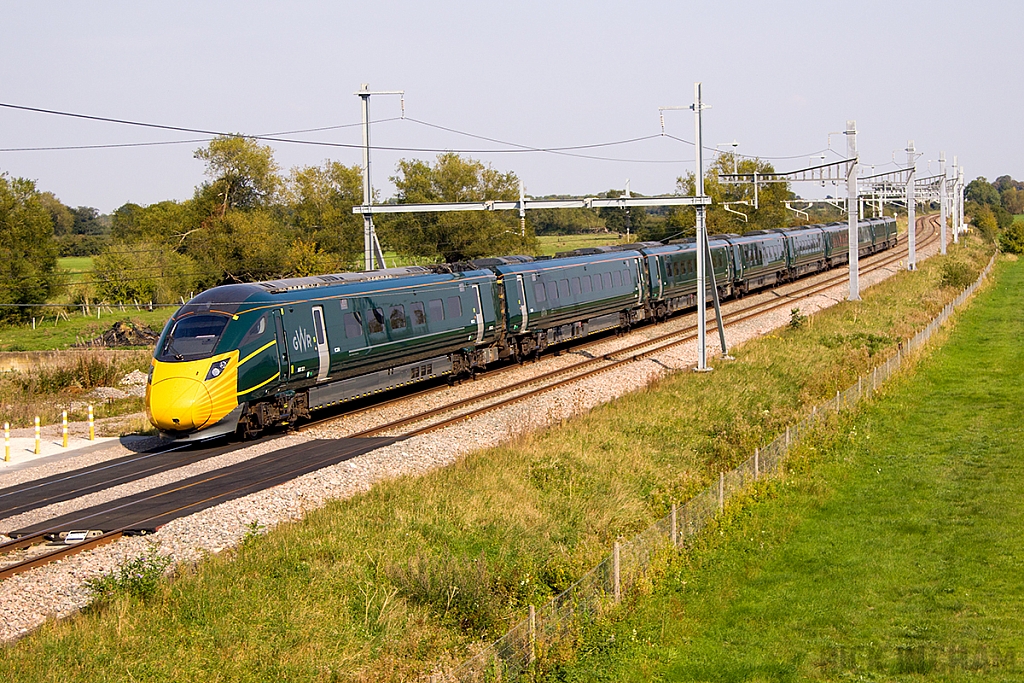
[216,369]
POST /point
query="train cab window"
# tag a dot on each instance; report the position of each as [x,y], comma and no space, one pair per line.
[538,292]
[193,337]
[419,316]
[255,332]
[585,284]
[616,278]
[552,290]
[574,284]
[563,289]
[375,321]
[454,307]
[353,325]
[436,308]
[606,279]
[396,317]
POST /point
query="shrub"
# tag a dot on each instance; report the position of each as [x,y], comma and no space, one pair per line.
[956,274]
[137,578]
[1012,239]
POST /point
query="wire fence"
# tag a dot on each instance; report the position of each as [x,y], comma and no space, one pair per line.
[551,632]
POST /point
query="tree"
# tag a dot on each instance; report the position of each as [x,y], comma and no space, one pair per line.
[143,272]
[321,200]
[983,192]
[771,197]
[243,172]
[565,221]
[622,221]
[28,252]
[454,236]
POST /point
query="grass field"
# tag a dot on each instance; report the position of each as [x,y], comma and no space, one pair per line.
[552,244]
[892,551]
[77,266]
[51,333]
[418,571]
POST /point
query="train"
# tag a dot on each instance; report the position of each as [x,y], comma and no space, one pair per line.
[242,358]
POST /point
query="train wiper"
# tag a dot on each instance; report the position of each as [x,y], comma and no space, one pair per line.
[169,348]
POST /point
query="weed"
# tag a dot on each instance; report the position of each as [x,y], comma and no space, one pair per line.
[796,319]
[137,578]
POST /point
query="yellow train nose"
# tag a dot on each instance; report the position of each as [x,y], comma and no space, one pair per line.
[179,403]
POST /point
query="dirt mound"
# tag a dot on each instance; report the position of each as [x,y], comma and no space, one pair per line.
[123,333]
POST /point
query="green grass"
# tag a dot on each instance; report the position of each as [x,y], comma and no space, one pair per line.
[552,244]
[419,571]
[51,334]
[77,266]
[891,552]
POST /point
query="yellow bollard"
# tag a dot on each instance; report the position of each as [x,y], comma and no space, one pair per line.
[7,441]
[64,431]
[92,428]
[37,436]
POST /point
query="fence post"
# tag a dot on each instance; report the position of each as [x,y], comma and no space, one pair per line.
[860,388]
[675,528]
[533,635]
[721,491]
[838,405]
[757,463]
[787,437]
[617,591]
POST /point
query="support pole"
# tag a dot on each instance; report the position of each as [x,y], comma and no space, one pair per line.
[943,202]
[851,208]
[956,201]
[702,323]
[364,95]
[911,209]
[714,297]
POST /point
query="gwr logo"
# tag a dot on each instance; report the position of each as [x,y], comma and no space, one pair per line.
[302,340]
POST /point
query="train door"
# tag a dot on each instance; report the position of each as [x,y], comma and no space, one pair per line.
[523,309]
[282,346]
[322,347]
[478,315]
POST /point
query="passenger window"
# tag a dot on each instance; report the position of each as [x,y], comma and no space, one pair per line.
[353,325]
[454,307]
[585,284]
[625,278]
[616,278]
[538,292]
[396,316]
[552,289]
[419,317]
[375,323]
[574,284]
[606,280]
[436,310]
[598,285]
[254,333]
[563,289]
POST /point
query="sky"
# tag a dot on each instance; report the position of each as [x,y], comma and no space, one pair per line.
[780,78]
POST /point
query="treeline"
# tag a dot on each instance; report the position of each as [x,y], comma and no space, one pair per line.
[250,220]
[992,209]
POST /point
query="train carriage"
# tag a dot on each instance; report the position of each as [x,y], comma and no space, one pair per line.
[554,300]
[837,243]
[672,274]
[269,352]
[759,260]
[805,250]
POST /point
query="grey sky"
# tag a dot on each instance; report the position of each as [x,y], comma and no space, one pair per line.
[779,76]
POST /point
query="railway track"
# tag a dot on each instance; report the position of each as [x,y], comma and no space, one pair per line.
[251,475]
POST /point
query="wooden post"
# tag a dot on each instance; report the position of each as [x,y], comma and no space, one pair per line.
[675,528]
[64,428]
[616,586]
[838,404]
[38,450]
[787,437]
[860,387]
[757,464]
[533,635]
[92,425]
[721,491]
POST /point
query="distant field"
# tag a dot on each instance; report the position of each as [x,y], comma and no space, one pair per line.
[51,333]
[76,265]
[552,244]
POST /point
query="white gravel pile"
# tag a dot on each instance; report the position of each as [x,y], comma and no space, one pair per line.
[59,589]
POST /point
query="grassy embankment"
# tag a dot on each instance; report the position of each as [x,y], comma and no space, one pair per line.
[892,550]
[415,572]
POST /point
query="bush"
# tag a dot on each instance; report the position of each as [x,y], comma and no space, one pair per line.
[1012,239]
[138,578]
[84,372]
[956,274]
